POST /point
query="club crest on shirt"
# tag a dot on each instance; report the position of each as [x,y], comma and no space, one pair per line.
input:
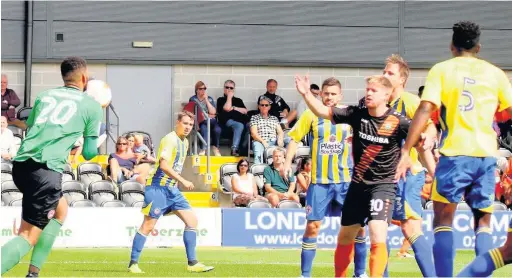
[387,126]
[308,209]
[332,138]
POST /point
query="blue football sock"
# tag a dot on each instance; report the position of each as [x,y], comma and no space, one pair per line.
[444,251]
[483,265]
[138,243]
[189,238]
[386,271]
[308,255]
[423,253]
[483,241]
[360,254]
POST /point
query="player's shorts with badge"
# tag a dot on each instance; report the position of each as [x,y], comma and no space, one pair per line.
[365,203]
[325,200]
[41,188]
[162,200]
[408,197]
[471,177]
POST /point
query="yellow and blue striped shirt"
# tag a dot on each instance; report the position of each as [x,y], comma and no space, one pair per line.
[331,153]
[174,151]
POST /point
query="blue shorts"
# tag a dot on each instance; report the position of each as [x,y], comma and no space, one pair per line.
[162,200]
[472,177]
[325,200]
[408,197]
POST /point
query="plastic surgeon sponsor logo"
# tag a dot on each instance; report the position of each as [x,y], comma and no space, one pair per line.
[374,139]
[267,220]
[132,230]
[14,231]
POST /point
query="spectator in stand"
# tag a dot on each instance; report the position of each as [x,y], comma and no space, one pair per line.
[131,143]
[232,113]
[207,104]
[7,141]
[303,175]
[277,188]
[121,164]
[243,185]
[9,103]
[279,108]
[141,151]
[265,130]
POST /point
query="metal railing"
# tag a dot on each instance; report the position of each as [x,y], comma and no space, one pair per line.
[108,125]
[197,134]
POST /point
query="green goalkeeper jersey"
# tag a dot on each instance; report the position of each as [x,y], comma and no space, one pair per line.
[58,119]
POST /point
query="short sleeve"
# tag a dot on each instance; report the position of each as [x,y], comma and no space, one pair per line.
[31,117]
[167,146]
[433,87]
[293,178]
[93,122]
[504,93]
[343,115]
[253,120]
[302,126]
[267,175]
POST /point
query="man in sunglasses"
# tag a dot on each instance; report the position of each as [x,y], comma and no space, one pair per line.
[232,113]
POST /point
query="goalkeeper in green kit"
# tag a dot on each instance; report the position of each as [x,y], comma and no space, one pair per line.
[58,119]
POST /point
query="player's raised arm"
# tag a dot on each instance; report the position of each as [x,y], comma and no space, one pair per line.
[92,130]
[317,107]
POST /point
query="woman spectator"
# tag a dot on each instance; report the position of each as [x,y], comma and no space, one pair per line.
[265,130]
[244,185]
[121,164]
[207,104]
[303,175]
[131,143]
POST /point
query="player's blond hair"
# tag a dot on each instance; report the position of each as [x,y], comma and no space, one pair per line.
[379,79]
[185,113]
[402,64]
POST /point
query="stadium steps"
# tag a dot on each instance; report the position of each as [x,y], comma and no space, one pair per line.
[195,171]
[201,199]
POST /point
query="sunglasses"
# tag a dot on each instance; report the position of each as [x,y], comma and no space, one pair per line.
[264,105]
[229,88]
[201,89]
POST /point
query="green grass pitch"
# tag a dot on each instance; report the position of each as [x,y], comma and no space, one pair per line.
[228,262]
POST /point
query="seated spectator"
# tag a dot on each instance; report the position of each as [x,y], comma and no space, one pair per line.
[232,113]
[142,152]
[9,103]
[121,164]
[279,108]
[302,106]
[303,175]
[278,189]
[7,141]
[207,104]
[244,185]
[265,130]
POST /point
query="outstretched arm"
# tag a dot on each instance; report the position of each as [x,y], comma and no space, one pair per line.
[317,107]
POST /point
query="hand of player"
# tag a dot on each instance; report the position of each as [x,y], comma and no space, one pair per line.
[188,185]
[403,165]
[280,142]
[286,171]
[302,84]
[507,192]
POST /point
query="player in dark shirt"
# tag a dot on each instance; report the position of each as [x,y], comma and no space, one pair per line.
[378,133]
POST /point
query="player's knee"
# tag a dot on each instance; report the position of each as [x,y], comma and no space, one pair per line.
[62,210]
[312,229]
[410,227]
[362,232]
[482,219]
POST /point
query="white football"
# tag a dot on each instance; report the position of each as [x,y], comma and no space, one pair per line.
[100,91]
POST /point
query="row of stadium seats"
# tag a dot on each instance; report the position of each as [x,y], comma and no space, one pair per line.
[99,193]
[302,152]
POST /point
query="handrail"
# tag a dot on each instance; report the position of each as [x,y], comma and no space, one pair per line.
[108,131]
[198,134]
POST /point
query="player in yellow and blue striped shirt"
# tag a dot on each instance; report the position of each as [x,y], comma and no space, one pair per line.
[467,90]
[162,195]
[332,164]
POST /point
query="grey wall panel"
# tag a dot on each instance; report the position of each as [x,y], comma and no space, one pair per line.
[13,39]
[40,46]
[432,45]
[267,13]
[489,15]
[40,8]
[226,42]
[14,10]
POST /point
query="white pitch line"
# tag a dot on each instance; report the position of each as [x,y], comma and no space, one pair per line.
[405,262]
